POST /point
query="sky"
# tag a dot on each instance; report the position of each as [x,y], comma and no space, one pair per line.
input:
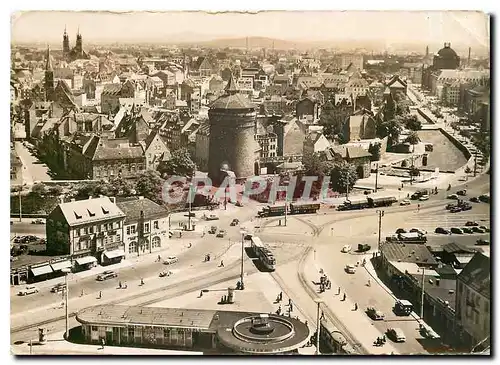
[459,27]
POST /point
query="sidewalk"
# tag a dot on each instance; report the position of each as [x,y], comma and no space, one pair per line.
[358,323]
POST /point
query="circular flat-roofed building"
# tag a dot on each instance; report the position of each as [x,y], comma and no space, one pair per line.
[214,332]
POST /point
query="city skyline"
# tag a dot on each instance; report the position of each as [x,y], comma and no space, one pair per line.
[458,27]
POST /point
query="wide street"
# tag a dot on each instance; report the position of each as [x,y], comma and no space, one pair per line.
[33,169]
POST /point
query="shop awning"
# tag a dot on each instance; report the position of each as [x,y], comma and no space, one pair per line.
[41,270]
[61,265]
[114,254]
[86,260]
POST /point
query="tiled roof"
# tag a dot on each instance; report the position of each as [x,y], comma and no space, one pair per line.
[232,100]
[111,89]
[89,210]
[477,273]
[453,247]
[133,207]
[408,252]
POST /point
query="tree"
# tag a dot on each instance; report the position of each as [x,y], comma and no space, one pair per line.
[150,184]
[39,190]
[343,176]
[55,190]
[374,149]
[412,123]
[390,129]
[121,187]
[315,166]
[412,138]
[180,164]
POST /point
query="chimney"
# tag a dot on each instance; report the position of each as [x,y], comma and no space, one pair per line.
[468,59]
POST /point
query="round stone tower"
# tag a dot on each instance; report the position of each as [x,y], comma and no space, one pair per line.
[232,130]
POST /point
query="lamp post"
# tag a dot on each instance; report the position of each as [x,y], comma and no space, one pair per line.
[242,256]
[380,215]
[190,198]
[318,301]
[66,271]
[376,179]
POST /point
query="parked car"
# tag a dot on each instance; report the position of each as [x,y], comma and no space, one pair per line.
[58,288]
[239,204]
[457,230]
[400,230]
[478,230]
[212,230]
[417,230]
[452,196]
[456,210]
[467,230]
[346,248]
[405,202]
[375,314]
[171,260]
[485,198]
[248,236]
[450,206]
[396,334]
[462,192]
[442,230]
[221,233]
[108,274]
[474,199]
[211,217]
[29,289]
[481,242]
[486,229]
[424,198]
[350,269]
[471,224]
[37,221]
[363,247]
[466,206]
[234,222]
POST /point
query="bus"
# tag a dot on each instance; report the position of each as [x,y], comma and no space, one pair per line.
[304,208]
[264,254]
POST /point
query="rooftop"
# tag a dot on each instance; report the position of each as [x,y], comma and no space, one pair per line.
[476,274]
[408,252]
[89,210]
[134,206]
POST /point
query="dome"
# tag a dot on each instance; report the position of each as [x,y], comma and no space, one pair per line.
[232,99]
[447,52]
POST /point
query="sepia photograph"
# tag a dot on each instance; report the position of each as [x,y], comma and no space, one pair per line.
[250,183]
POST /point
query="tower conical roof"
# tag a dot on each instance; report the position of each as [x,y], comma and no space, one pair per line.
[48,64]
[231,87]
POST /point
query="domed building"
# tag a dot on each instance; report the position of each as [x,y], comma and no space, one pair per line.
[446,59]
[232,128]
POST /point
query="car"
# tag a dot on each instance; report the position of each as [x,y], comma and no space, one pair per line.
[400,230]
[452,196]
[212,230]
[478,230]
[466,206]
[108,274]
[171,260]
[462,192]
[211,217]
[485,198]
[486,229]
[350,269]
[346,249]
[456,210]
[450,206]
[442,230]
[481,242]
[417,230]
[239,204]
[234,222]
[375,314]
[58,288]
[29,289]
[248,236]
[424,198]
[37,221]
[467,230]
[396,334]
[471,224]
[221,233]
[457,230]
[405,202]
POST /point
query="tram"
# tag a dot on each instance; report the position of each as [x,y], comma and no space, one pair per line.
[304,208]
[333,340]
[264,254]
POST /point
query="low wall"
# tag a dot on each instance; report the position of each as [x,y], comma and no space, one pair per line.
[457,144]
[425,116]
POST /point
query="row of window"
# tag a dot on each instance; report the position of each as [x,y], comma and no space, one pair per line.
[106,170]
[97,228]
[132,229]
[135,247]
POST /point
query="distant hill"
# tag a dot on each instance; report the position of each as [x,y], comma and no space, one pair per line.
[253,42]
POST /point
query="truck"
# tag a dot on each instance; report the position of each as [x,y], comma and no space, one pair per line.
[304,208]
[354,204]
[381,201]
[272,211]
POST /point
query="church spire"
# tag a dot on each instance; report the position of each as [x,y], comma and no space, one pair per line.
[48,64]
[231,87]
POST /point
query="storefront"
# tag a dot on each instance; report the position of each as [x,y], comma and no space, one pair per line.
[112,257]
[85,263]
[40,273]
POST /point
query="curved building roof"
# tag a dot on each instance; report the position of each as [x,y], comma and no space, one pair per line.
[232,99]
[447,52]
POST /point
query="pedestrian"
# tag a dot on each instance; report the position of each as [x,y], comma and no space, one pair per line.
[402,185]
[120,284]
[322,316]
[221,263]
[82,293]
[100,294]
[291,308]
[142,281]
[369,282]
[355,306]
[281,296]
[289,302]
[102,343]
[201,293]
[159,258]
[338,291]
[344,298]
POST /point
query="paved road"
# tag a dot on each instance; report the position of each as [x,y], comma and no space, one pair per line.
[33,169]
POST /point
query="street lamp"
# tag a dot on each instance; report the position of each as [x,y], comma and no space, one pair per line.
[242,256]
[190,198]
[318,301]
[66,271]
[380,215]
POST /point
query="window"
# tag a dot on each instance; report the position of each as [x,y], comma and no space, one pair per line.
[98,228]
[77,232]
[94,328]
[155,225]
[132,247]
[146,227]
[131,229]
[91,229]
[156,242]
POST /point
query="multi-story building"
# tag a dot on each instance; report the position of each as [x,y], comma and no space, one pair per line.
[202,142]
[88,230]
[473,301]
[356,60]
[146,227]
[268,143]
[111,94]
